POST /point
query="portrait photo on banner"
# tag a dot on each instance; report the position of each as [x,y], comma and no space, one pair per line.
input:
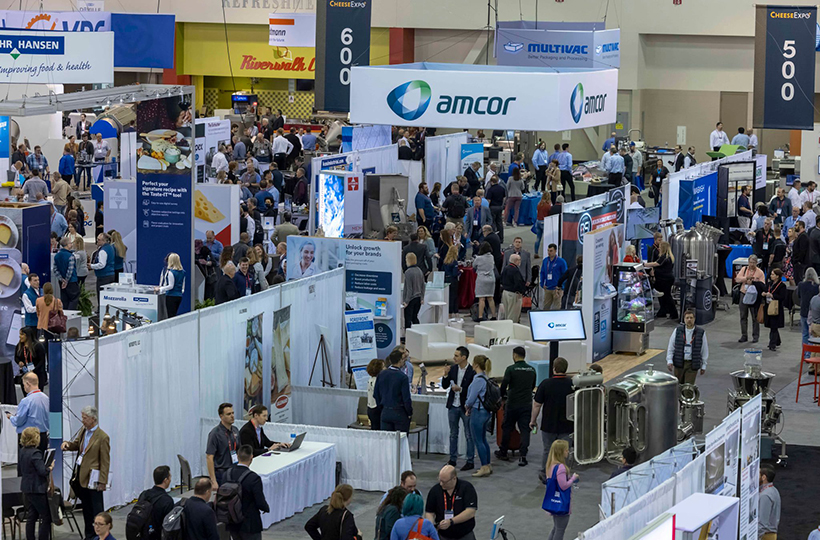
[313,256]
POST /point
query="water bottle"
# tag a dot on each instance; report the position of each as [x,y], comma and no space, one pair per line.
[292,438]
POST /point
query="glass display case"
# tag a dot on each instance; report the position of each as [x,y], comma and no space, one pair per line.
[634,309]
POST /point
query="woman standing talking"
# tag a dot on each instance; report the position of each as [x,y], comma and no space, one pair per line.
[173,284]
[773,315]
[119,253]
[484,266]
[30,355]
[479,415]
[334,521]
[451,272]
[34,483]
[664,279]
[557,468]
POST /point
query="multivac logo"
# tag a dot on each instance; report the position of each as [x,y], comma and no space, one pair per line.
[513,48]
[576,102]
[410,100]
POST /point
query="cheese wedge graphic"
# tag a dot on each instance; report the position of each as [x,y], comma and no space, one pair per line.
[5,234]
[204,210]
[6,275]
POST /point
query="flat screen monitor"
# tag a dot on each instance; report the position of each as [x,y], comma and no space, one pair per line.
[560,325]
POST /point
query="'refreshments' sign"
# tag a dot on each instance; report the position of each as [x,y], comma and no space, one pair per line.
[59,57]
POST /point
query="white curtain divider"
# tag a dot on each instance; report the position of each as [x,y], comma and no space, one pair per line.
[442,158]
[147,399]
[691,479]
[336,407]
[368,458]
[631,519]
[412,170]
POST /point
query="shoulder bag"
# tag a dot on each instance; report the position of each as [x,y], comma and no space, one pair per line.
[774,306]
[556,500]
[57,320]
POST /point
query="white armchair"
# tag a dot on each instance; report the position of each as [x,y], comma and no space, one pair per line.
[501,355]
[488,330]
[433,342]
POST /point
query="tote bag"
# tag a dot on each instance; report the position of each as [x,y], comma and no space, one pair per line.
[556,500]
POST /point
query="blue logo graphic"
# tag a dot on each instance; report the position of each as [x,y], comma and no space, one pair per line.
[576,102]
[551,325]
[514,48]
[607,48]
[584,226]
[410,100]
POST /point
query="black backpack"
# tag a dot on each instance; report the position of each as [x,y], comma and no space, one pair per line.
[492,396]
[174,524]
[139,520]
[228,501]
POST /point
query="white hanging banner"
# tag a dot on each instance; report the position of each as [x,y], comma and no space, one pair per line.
[29,57]
[292,29]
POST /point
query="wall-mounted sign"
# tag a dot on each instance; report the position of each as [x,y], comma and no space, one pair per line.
[292,30]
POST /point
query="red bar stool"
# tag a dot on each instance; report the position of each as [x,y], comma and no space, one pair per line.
[814,361]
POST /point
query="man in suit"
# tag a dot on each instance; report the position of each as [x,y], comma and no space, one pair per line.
[200,518]
[473,182]
[161,502]
[93,456]
[458,380]
[526,261]
[418,249]
[253,497]
[814,247]
[491,237]
[226,288]
[82,126]
[477,217]
[278,121]
[392,394]
[254,436]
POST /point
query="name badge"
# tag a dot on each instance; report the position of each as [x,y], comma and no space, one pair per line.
[28,368]
[549,276]
[234,457]
[687,351]
[79,460]
[448,515]
[765,245]
[248,291]
[475,223]
[779,210]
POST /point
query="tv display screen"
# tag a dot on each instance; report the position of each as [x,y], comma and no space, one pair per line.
[557,325]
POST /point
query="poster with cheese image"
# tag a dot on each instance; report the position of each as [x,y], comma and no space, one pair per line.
[216,208]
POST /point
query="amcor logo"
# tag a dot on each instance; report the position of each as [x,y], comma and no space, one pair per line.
[410,100]
[579,105]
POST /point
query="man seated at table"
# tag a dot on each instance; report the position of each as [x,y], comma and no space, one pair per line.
[254,436]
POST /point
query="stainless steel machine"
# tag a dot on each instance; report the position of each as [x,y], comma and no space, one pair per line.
[749,382]
[698,243]
[387,196]
[641,410]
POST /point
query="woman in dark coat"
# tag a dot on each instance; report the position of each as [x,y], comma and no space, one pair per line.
[30,352]
[775,290]
[34,483]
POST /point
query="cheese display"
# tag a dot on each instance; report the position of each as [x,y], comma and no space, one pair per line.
[5,234]
[205,210]
[6,275]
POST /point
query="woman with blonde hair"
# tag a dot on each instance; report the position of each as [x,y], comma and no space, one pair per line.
[80,259]
[334,521]
[631,255]
[34,483]
[46,305]
[664,268]
[449,265]
[557,467]
[427,241]
[172,284]
[478,413]
[119,253]
[255,262]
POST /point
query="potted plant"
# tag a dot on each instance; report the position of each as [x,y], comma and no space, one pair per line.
[85,306]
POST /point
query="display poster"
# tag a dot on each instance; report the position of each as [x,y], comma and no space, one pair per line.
[761,161]
[63,21]
[576,226]
[554,47]
[5,143]
[216,208]
[471,153]
[784,67]
[751,414]
[143,303]
[254,365]
[697,198]
[165,190]
[280,406]
[199,150]
[215,132]
[121,215]
[292,30]
[715,469]
[361,344]
[732,453]
[341,204]
[602,251]
[372,277]
[343,41]
[56,57]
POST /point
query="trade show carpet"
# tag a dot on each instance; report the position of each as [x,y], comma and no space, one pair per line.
[786,396]
[799,492]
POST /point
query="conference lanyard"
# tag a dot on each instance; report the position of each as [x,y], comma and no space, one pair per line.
[550,266]
[452,503]
[232,447]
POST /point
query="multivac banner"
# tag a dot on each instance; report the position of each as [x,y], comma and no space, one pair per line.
[558,48]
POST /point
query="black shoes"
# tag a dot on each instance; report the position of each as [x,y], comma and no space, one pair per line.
[468,466]
[743,339]
[501,455]
[452,463]
[522,461]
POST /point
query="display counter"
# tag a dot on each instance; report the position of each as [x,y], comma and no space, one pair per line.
[139,299]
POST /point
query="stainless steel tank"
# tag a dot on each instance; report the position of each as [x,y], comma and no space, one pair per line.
[670,227]
[643,413]
[699,243]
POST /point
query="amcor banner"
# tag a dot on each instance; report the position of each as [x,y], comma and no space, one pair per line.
[784,67]
[29,57]
[342,41]
[487,97]
[558,48]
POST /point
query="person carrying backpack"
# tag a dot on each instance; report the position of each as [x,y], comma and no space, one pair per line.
[483,399]
[198,520]
[413,526]
[144,521]
[240,499]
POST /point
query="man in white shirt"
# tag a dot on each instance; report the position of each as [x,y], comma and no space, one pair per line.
[220,161]
[281,149]
[688,350]
[605,161]
[492,171]
[752,139]
[810,195]
[718,137]
[102,152]
[794,195]
[690,160]
[808,217]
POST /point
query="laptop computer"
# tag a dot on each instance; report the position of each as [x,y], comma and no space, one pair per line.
[297,442]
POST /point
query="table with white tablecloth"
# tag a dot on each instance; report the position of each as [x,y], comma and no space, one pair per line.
[293,481]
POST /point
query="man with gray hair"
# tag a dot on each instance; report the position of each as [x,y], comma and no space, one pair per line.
[90,475]
[513,287]
[226,288]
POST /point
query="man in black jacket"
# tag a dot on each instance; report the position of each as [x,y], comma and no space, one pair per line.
[552,397]
[392,395]
[764,242]
[253,497]
[800,253]
[225,287]
[814,247]
[161,502]
[495,195]
[200,518]
[513,287]
[296,151]
[252,434]
[458,380]
[455,205]
[473,182]
[418,249]
[491,237]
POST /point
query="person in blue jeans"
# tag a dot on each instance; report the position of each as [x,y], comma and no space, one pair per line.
[479,415]
[458,380]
